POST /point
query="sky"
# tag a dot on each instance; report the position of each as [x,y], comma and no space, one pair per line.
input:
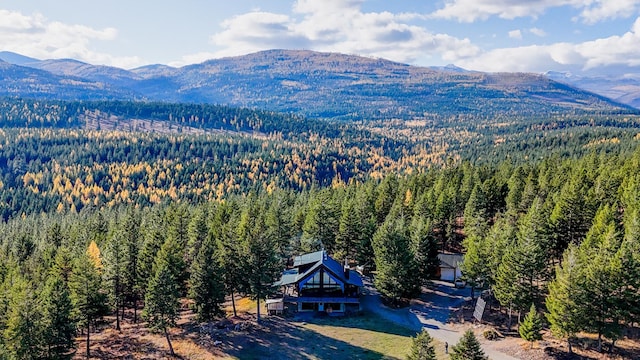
[591,36]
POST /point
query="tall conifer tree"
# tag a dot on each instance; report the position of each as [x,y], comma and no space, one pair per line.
[162,299]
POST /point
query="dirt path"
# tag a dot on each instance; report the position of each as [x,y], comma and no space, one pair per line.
[431,312]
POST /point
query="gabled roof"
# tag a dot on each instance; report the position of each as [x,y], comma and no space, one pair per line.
[309,258]
[450,260]
[318,259]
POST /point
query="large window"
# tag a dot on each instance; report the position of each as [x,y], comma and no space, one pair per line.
[322,277]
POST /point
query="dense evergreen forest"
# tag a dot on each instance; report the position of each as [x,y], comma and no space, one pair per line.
[64,156]
[562,232]
[97,221]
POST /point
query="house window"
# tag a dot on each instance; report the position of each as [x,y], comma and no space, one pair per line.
[308,306]
[313,283]
[328,283]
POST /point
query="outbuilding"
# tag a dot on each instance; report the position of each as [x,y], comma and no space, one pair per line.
[449,269]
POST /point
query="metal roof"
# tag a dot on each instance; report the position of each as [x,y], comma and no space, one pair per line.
[318,258]
[450,260]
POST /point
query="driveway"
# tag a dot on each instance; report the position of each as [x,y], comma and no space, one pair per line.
[431,313]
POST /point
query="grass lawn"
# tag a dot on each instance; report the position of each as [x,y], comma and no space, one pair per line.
[358,337]
[368,336]
[364,336]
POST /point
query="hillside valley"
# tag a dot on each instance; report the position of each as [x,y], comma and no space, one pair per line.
[624,89]
[157,206]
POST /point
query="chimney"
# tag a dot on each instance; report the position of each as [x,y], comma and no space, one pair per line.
[346,269]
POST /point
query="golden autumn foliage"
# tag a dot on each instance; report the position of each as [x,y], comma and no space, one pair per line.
[94,254]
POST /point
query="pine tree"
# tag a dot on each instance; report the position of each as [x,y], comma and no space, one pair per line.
[422,347]
[425,248]
[530,328]
[523,266]
[54,236]
[114,269]
[197,232]
[500,235]
[349,230]
[228,250]
[475,213]
[131,277]
[261,261]
[468,348]
[630,261]
[171,254]
[88,298]
[154,237]
[475,267]
[98,228]
[507,287]
[365,209]
[572,215]
[23,333]
[563,312]
[600,292]
[516,189]
[395,262]
[321,223]
[162,300]
[386,195]
[177,218]
[278,222]
[58,325]
[206,287]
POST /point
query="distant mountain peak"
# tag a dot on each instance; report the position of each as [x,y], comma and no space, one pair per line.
[15,58]
[449,68]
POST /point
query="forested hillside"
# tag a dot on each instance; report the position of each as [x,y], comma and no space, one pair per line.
[117,205]
[59,156]
[516,223]
[312,84]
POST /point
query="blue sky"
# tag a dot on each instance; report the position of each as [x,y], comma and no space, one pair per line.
[598,36]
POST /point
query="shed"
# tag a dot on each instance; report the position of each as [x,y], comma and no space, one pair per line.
[275,306]
[449,268]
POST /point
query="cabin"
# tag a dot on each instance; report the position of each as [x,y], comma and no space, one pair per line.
[449,269]
[316,282]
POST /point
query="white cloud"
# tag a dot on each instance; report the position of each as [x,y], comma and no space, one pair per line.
[36,36]
[606,52]
[614,50]
[609,9]
[340,26]
[472,10]
[538,32]
[591,11]
[515,34]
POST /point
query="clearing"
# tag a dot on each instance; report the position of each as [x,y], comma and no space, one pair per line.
[365,336]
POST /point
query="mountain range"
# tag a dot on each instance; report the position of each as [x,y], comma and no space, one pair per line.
[317,85]
[621,88]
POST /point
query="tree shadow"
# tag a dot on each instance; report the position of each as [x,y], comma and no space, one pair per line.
[365,321]
[558,354]
[280,339]
[121,348]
